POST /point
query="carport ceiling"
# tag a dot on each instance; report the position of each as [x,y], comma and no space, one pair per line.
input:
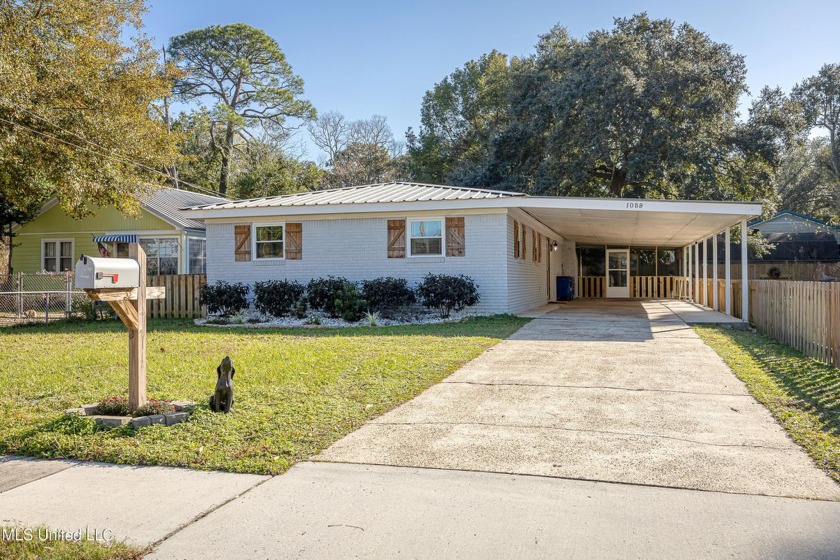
[664,223]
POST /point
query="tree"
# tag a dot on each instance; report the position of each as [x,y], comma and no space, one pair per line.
[244,74]
[75,106]
[361,164]
[820,99]
[629,112]
[459,115]
[267,171]
[357,152]
[330,132]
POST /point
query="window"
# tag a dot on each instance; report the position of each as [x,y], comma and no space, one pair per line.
[57,255]
[197,253]
[425,238]
[268,242]
[161,255]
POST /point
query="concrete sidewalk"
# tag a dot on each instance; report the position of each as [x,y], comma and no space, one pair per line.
[142,505]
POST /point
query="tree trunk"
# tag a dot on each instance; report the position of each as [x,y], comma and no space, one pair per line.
[618,181]
[227,151]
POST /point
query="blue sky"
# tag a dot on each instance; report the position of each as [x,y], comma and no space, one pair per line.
[379,57]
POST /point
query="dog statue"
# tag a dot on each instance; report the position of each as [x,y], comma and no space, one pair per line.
[222,399]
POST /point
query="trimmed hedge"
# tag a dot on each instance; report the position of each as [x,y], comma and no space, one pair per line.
[322,293]
[448,293]
[224,298]
[387,295]
[277,297]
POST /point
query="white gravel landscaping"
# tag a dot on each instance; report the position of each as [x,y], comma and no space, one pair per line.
[320,319]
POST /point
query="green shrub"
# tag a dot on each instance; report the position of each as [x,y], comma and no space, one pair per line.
[387,295]
[154,406]
[349,304]
[448,293]
[322,293]
[224,298]
[300,309]
[277,297]
[113,406]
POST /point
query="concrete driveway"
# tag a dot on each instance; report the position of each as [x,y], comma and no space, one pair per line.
[608,391]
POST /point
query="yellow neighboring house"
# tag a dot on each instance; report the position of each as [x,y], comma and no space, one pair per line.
[174,243]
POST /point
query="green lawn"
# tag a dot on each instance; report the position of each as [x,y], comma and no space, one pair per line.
[36,547]
[297,390]
[801,393]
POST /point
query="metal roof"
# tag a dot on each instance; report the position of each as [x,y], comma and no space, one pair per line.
[364,194]
[168,203]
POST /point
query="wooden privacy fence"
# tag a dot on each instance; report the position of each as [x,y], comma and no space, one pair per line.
[590,287]
[182,296]
[804,315]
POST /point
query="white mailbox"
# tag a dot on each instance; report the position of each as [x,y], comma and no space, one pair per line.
[94,272]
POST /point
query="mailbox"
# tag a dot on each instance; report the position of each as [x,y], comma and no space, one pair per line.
[94,273]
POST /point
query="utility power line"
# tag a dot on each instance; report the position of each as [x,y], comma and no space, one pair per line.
[102,151]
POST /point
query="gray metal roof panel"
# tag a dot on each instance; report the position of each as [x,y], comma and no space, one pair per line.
[168,203]
[364,194]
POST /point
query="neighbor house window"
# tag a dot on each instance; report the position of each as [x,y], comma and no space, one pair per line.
[57,255]
[425,238]
[268,242]
[161,255]
[198,255]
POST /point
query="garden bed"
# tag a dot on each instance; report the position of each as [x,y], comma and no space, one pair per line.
[316,319]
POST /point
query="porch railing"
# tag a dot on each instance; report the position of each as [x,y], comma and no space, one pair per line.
[641,287]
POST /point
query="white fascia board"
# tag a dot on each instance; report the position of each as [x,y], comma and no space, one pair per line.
[645,205]
[740,209]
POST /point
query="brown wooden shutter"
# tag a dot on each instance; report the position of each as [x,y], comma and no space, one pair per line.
[294,241]
[515,239]
[455,240]
[523,239]
[242,243]
[396,239]
[533,245]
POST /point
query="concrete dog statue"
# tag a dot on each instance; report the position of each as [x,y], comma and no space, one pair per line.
[222,399]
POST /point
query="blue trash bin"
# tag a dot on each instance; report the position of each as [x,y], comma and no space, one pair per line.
[565,288]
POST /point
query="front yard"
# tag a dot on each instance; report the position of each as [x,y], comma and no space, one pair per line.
[297,390]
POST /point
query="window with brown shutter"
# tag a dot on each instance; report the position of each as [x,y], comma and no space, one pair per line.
[523,240]
[539,247]
[294,241]
[515,239]
[533,245]
[396,239]
[242,243]
[455,241]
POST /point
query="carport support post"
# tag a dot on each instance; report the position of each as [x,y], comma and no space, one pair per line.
[705,272]
[697,273]
[715,290]
[727,257]
[745,283]
[137,336]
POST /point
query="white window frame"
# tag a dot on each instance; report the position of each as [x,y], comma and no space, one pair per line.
[58,242]
[254,241]
[187,258]
[177,239]
[442,237]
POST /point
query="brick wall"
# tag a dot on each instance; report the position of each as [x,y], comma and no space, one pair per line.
[356,249]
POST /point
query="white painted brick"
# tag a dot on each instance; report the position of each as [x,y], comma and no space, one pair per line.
[356,248]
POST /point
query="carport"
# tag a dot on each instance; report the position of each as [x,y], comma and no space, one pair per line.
[688,229]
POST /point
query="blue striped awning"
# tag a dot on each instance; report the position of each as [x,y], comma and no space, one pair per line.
[121,238]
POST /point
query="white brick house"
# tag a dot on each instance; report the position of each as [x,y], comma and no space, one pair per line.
[512,245]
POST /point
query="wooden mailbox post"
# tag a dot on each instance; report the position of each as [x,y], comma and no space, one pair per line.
[130,306]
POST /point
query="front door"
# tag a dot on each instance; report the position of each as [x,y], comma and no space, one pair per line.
[618,273]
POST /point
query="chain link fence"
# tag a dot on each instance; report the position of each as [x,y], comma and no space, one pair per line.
[39,298]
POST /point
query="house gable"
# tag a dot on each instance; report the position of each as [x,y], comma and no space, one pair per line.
[108,219]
